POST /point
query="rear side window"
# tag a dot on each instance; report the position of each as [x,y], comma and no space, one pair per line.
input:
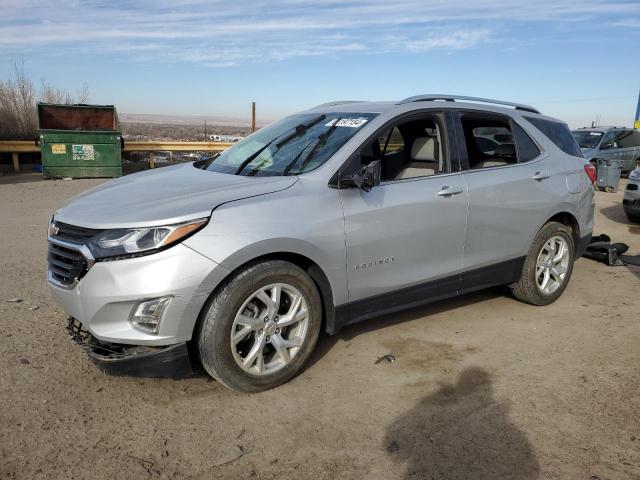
[495,141]
[559,134]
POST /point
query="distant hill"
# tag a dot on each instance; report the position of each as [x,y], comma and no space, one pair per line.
[183,120]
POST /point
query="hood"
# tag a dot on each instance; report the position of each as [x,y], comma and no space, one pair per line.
[163,196]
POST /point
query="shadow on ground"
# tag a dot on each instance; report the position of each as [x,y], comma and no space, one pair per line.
[461,432]
[616,213]
[349,332]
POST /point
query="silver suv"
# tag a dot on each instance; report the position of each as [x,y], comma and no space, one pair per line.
[323,219]
[610,143]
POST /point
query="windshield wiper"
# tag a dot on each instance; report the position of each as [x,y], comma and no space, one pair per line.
[281,140]
[311,148]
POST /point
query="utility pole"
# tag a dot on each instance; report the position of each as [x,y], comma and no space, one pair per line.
[253,117]
[205,130]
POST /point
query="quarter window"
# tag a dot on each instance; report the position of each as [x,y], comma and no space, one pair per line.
[527,149]
[391,141]
[559,134]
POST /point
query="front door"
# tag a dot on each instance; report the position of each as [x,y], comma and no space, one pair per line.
[405,238]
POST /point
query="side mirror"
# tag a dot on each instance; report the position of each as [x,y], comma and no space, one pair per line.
[365,179]
[371,176]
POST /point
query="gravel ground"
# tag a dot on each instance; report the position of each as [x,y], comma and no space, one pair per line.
[483,386]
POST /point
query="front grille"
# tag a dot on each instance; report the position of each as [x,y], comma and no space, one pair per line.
[66,265]
[632,186]
[73,233]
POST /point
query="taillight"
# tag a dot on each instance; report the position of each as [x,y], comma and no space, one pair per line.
[590,170]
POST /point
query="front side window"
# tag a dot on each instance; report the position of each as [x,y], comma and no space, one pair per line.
[586,139]
[610,141]
[409,149]
[292,146]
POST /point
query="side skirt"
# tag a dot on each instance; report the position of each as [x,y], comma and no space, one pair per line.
[502,273]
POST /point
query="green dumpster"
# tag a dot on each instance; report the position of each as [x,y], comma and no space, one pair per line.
[79,140]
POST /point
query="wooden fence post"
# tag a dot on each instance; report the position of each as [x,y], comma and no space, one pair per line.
[152,161]
[16,163]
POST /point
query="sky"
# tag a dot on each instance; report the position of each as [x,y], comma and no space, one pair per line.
[571,59]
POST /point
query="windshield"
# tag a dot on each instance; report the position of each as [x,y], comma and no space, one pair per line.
[294,145]
[587,139]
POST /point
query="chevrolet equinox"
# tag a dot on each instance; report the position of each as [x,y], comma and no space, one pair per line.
[328,217]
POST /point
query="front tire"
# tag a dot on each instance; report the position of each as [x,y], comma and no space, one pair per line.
[548,266]
[260,327]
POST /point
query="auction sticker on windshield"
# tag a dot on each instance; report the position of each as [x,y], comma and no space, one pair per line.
[348,122]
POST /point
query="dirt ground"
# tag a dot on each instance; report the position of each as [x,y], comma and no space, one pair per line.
[483,387]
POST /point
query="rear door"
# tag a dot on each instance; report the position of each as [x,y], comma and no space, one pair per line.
[509,196]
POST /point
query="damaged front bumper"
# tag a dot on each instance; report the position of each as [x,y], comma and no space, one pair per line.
[170,361]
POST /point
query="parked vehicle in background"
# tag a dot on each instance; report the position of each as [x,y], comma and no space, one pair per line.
[631,200]
[328,217]
[610,143]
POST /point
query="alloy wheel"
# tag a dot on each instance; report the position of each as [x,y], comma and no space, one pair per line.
[269,329]
[552,265]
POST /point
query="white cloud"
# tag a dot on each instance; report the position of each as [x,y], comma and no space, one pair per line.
[228,33]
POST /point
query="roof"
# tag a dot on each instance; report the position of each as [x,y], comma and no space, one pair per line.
[429,101]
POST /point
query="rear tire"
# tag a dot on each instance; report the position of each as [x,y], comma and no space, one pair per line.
[550,258]
[260,327]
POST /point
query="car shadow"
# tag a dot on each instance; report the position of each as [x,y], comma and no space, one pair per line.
[327,342]
[616,213]
[461,431]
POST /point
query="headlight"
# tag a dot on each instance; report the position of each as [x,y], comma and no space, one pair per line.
[125,242]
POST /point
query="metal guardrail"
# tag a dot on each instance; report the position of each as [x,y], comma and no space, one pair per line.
[15,147]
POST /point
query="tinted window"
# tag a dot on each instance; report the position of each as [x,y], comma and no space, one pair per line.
[629,138]
[527,149]
[559,134]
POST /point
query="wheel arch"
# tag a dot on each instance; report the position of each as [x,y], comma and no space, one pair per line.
[311,267]
[570,221]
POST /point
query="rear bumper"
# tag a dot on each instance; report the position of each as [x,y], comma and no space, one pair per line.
[133,360]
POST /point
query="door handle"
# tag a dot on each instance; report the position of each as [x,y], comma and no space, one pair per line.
[541,176]
[448,191]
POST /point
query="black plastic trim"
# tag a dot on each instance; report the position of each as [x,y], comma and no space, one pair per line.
[502,273]
[582,245]
[171,361]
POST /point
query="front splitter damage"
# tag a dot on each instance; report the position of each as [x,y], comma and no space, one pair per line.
[133,360]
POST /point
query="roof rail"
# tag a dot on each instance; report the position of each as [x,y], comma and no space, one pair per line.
[340,102]
[453,98]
